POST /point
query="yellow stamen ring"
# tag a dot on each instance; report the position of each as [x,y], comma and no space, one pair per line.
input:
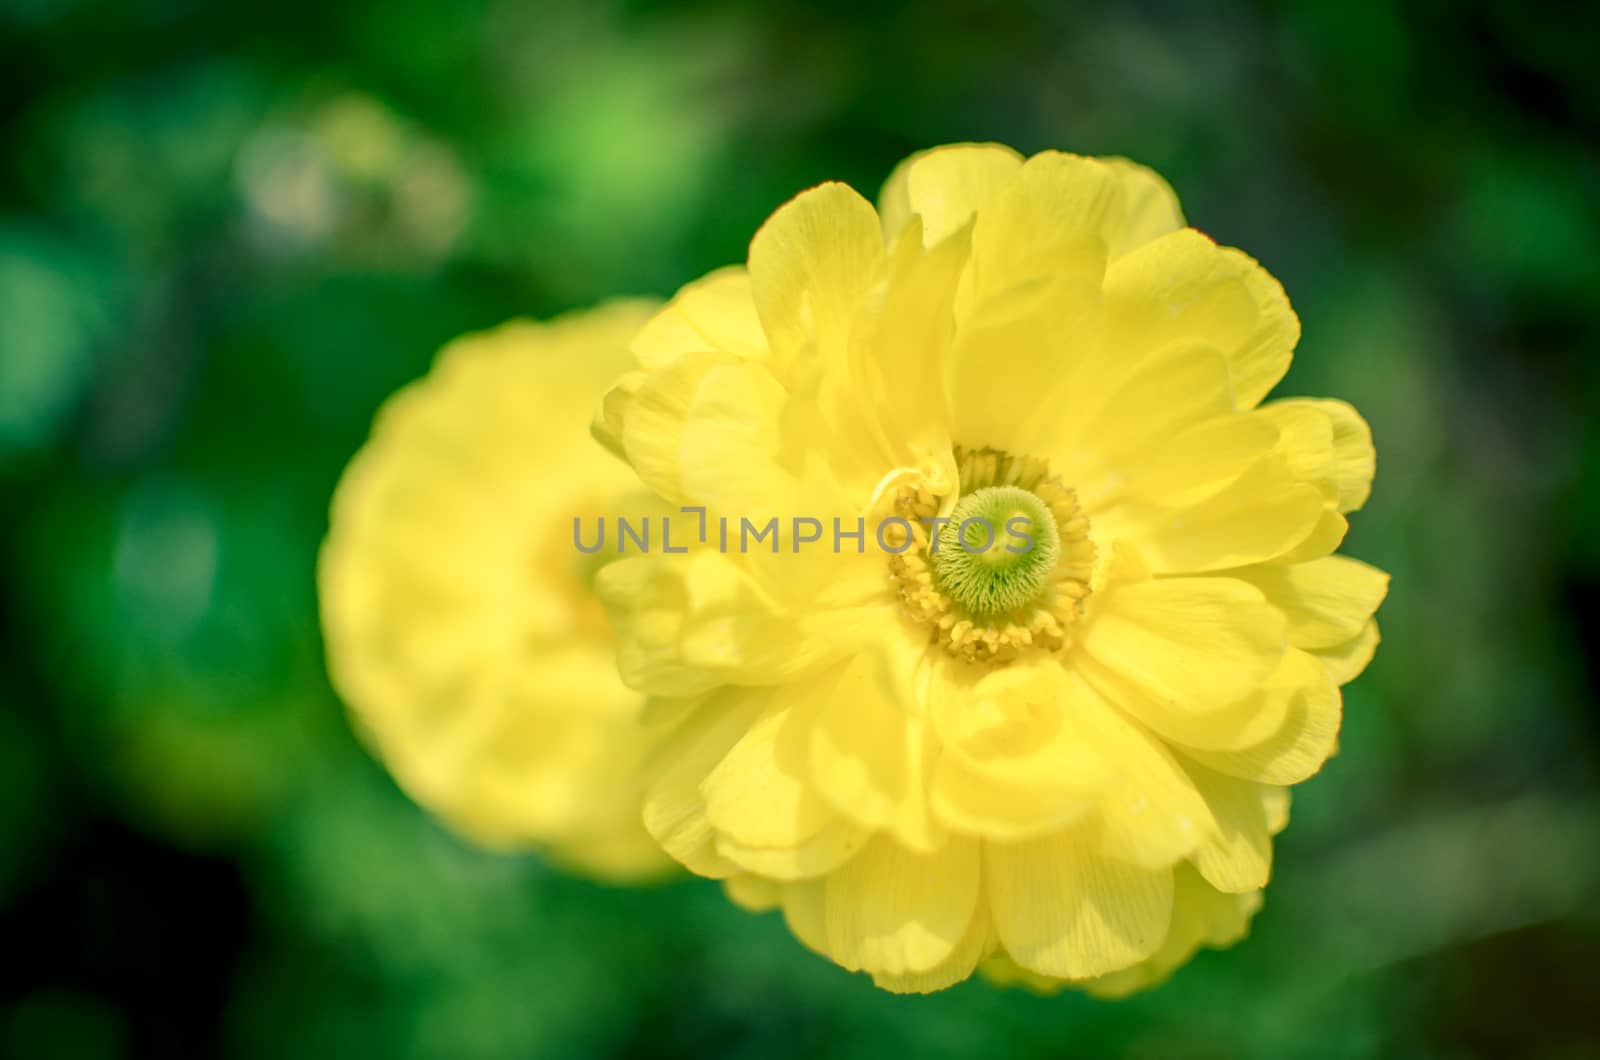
[1008,571]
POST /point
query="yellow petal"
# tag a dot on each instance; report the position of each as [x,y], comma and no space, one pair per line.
[1055,216]
[886,406]
[704,431]
[945,187]
[686,623]
[1354,458]
[1154,818]
[1345,662]
[1017,760]
[1323,540]
[811,267]
[607,425]
[978,941]
[1151,209]
[1199,461]
[901,360]
[1263,515]
[735,629]
[1028,307]
[1013,359]
[758,795]
[1327,601]
[871,755]
[1333,445]
[804,915]
[1163,432]
[1182,385]
[1237,857]
[752,893]
[1191,643]
[1275,800]
[647,603]
[1183,286]
[1201,916]
[714,314]
[1305,440]
[1297,750]
[834,844]
[674,809]
[1062,909]
[892,911]
[1243,723]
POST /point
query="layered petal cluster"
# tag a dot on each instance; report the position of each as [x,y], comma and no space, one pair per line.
[1065,768]
[461,623]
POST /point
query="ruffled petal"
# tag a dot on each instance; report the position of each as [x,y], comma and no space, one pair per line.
[803,912]
[1330,444]
[974,945]
[1062,909]
[1154,817]
[891,911]
[1179,387]
[758,794]
[704,431]
[1057,216]
[1355,460]
[753,894]
[607,425]
[687,623]
[901,360]
[1162,435]
[767,817]
[812,266]
[1305,441]
[944,187]
[1028,304]
[1345,662]
[1183,286]
[674,808]
[1017,760]
[1243,723]
[1298,749]
[1327,601]
[887,405]
[1200,461]
[1014,358]
[714,314]
[1151,207]
[1201,916]
[1265,514]
[1237,857]
[1029,353]
[871,754]
[1324,539]
[833,845]
[1192,644]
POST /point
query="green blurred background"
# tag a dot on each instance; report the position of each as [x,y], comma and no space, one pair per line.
[228,231]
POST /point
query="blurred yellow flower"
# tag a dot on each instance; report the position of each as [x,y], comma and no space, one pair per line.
[461,623]
[1062,762]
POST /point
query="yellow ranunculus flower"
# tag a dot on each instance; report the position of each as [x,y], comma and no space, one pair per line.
[461,622]
[1063,763]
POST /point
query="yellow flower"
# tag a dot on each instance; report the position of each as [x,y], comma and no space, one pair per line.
[1061,762]
[461,622]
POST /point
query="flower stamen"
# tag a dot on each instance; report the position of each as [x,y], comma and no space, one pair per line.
[1008,571]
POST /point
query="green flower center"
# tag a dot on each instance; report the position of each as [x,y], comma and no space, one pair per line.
[1008,572]
[998,550]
